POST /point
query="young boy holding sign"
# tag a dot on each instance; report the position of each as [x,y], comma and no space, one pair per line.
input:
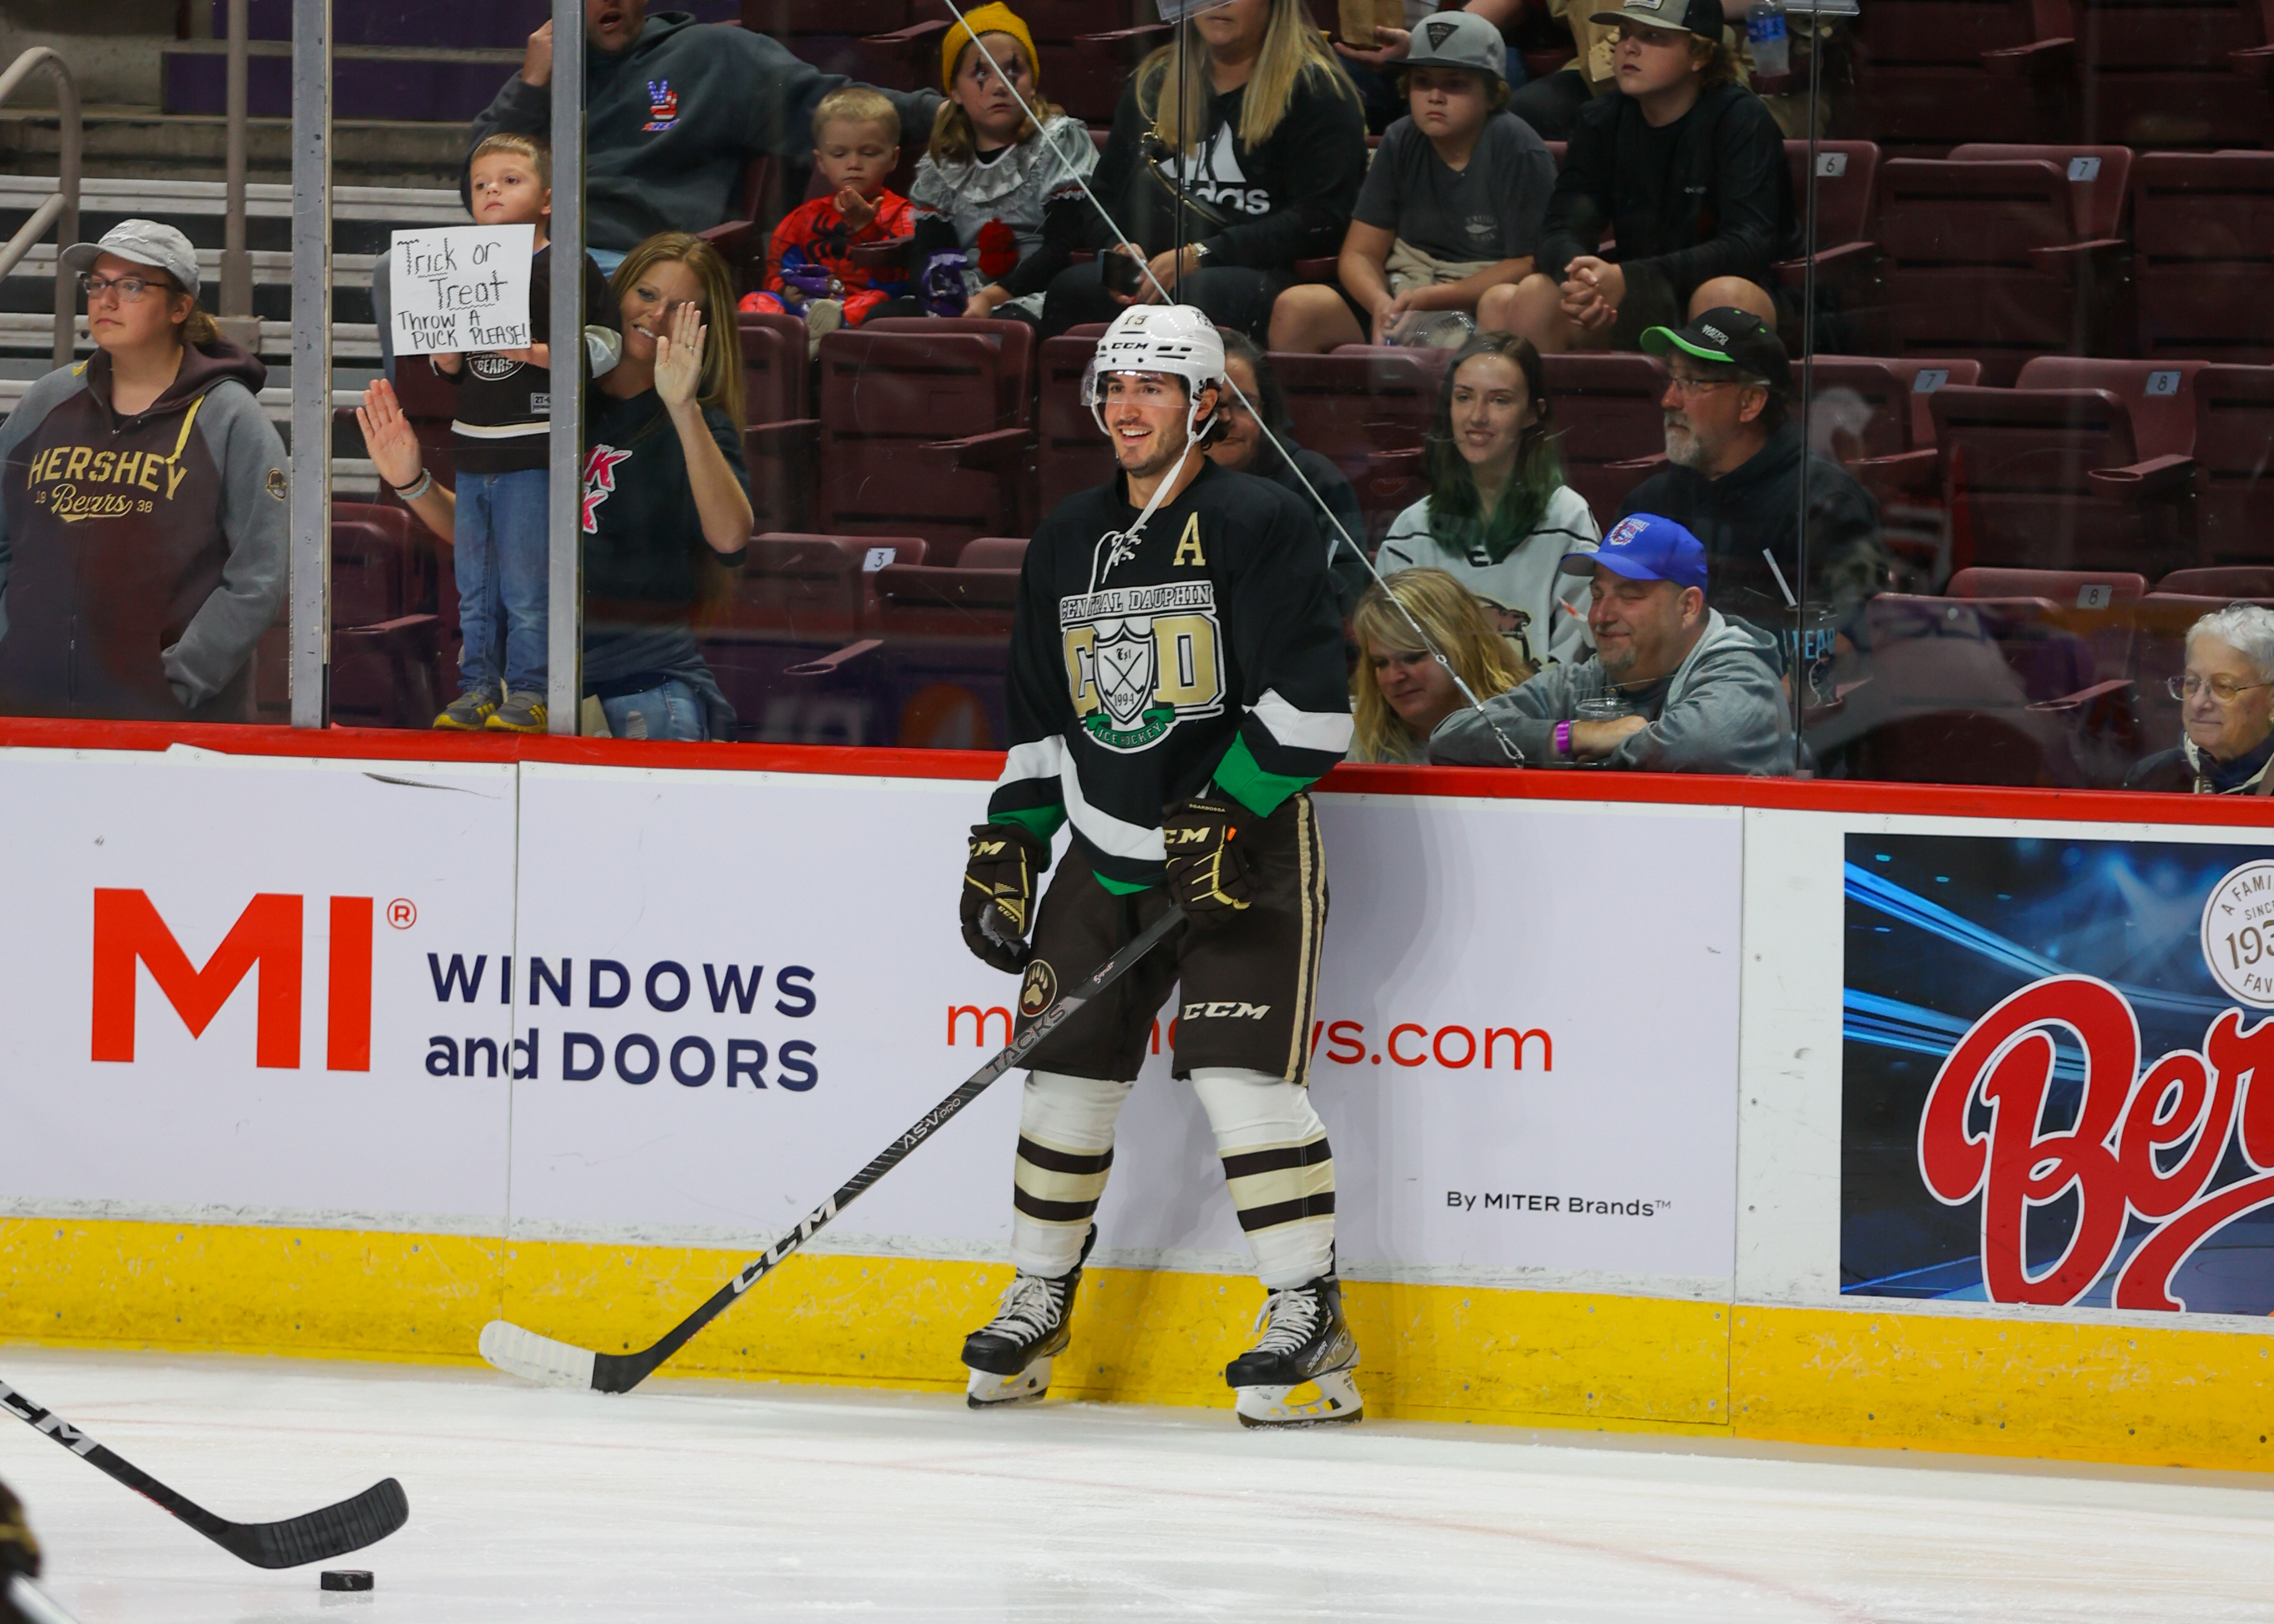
[499,441]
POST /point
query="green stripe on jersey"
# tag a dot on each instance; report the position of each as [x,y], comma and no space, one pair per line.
[1040,822]
[1240,776]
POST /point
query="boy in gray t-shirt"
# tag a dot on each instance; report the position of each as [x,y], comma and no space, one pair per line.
[1452,206]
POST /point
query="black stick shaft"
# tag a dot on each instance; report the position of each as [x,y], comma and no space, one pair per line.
[620,1372]
[332,1531]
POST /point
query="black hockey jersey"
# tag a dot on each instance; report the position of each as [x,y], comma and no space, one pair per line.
[1211,649]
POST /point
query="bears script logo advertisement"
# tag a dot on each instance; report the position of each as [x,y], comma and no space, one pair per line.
[1141,659]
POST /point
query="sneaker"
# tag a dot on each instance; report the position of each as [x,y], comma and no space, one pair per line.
[467,713]
[522,712]
[1298,1373]
[822,317]
[1009,1356]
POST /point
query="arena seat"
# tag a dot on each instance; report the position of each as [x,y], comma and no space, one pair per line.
[2234,451]
[1073,455]
[2054,479]
[2160,396]
[2175,73]
[2202,230]
[926,431]
[2227,581]
[385,631]
[1841,242]
[1607,408]
[993,553]
[779,444]
[1369,414]
[2002,258]
[946,652]
[1931,73]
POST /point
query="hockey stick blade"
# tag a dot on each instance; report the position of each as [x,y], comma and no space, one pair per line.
[525,1354]
[334,1531]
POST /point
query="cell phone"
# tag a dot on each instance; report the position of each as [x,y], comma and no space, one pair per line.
[1120,273]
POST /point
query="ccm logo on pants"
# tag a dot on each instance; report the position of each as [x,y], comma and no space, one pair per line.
[1227,1011]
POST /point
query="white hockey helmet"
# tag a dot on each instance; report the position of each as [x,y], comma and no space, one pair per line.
[1175,339]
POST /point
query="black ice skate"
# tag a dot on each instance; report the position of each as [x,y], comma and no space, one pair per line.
[1298,1373]
[1010,1356]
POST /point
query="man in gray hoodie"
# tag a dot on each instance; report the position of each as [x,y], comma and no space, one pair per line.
[1699,692]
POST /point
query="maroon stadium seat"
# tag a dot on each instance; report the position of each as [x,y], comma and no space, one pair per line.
[1607,408]
[2203,229]
[2003,258]
[926,431]
[2159,394]
[2227,581]
[2082,589]
[2055,479]
[384,630]
[1931,73]
[2175,73]
[1369,414]
[993,553]
[1072,453]
[1841,242]
[779,444]
[2234,450]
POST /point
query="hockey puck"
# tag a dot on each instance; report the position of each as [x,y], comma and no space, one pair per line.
[345,1579]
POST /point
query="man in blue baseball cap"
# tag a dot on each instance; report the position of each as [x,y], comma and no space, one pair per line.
[1672,686]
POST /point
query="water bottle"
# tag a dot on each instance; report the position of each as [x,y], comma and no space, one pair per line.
[1765,32]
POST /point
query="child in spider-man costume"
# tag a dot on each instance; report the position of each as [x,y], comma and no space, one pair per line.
[811,268]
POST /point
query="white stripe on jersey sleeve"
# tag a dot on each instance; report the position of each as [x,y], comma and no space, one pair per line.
[1303,730]
[1108,833]
[1037,758]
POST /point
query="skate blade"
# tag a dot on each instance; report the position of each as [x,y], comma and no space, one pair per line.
[987,1390]
[1331,1400]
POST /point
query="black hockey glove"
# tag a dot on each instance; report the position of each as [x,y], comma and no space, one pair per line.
[999,892]
[19,1553]
[1208,871]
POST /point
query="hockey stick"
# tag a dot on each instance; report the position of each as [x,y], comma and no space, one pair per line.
[562,1365]
[35,1604]
[334,1531]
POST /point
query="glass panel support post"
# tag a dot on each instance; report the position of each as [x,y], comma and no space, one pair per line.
[311,633]
[564,586]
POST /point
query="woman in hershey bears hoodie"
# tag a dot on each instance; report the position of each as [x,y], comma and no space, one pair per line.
[143,519]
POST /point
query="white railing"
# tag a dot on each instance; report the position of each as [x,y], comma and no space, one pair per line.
[61,209]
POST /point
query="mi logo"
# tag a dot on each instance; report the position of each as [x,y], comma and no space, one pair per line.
[267,943]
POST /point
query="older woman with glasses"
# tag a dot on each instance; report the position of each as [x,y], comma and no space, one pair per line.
[2227,695]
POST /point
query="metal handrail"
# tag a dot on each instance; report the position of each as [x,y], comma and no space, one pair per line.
[61,210]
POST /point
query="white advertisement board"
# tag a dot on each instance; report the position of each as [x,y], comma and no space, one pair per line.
[205,982]
[317,992]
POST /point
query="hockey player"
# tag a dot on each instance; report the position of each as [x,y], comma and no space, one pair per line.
[1176,681]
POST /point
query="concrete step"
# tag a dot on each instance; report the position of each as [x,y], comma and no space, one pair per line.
[395,22]
[26,332]
[139,142]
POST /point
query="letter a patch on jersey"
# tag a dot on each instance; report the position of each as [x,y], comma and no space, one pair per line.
[1141,659]
[1188,544]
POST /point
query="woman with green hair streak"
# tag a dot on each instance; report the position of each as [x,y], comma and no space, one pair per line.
[1498,516]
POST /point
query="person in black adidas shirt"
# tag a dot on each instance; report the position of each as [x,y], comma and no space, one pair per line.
[1685,167]
[1253,122]
[1176,683]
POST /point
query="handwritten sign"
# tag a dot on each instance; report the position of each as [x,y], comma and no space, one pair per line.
[459,289]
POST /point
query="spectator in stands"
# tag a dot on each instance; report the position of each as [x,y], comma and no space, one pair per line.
[1686,169]
[1265,147]
[813,267]
[1450,213]
[2227,716]
[667,498]
[1673,687]
[500,441]
[1245,448]
[675,111]
[1734,458]
[1498,517]
[143,515]
[1000,210]
[1399,693]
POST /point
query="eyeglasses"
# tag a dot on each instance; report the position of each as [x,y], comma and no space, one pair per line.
[1689,388]
[130,289]
[2226,690]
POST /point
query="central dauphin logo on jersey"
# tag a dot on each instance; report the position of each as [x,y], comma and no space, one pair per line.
[1141,659]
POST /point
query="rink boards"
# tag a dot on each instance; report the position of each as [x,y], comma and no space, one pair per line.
[348,1055]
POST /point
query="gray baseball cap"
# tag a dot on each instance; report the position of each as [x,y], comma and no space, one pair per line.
[1458,39]
[141,242]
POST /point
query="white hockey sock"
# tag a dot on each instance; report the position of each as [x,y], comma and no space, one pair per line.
[1065,1149]
[1279,1167]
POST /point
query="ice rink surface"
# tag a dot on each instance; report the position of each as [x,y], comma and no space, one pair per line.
[717,1501]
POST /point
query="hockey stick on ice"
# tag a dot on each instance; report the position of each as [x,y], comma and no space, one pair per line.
[334,1531]
[563,1365]
[36,1605]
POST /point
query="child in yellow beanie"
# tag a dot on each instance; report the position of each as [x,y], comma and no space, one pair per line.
[997,197]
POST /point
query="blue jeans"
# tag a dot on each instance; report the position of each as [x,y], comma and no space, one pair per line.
[671,712]
[500,545]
